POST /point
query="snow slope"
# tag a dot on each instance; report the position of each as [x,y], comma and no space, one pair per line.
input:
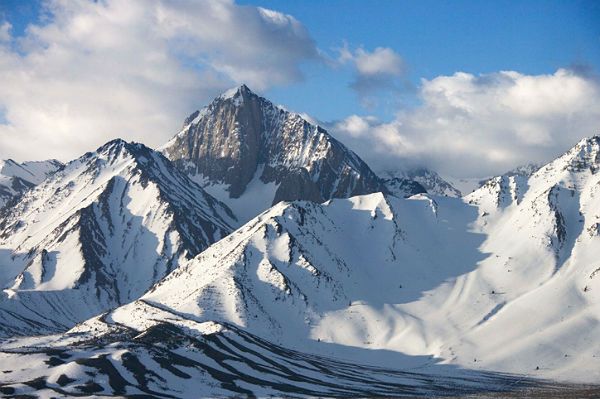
[16,178]
[98,234]
[185,359]
[507,279]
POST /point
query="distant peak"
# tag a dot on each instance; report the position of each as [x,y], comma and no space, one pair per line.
[587,144]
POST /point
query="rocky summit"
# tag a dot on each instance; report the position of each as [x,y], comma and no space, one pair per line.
[243,142]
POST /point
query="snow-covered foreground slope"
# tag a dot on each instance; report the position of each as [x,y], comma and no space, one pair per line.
[16,178]
[98,234]
[507,279]
[183,359]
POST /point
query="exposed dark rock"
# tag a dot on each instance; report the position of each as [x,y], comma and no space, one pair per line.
[240,134]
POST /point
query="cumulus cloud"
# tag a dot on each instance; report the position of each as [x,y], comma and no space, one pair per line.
[376,71]
[471,125]
[95,70]
[5,28]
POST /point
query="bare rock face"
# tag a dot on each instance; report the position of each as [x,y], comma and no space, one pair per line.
[240,135]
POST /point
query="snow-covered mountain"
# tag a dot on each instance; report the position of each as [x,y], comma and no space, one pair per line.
[16,178]
[469,185]
[251,154]
[506,279]
[100,233]
[520,172]
[430,180]
[375,294]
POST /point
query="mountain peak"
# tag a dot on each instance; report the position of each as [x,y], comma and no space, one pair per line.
[241,91]
[236,95]
[115,143]
[595,139]
[118,147]
[132,217]
[241,139]
[583,155]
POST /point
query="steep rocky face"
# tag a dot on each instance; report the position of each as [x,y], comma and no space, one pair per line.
[241,136]
[16,178]
[100,233]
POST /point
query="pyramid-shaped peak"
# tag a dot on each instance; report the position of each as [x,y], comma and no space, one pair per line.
[116,151]
[235,96]
[237,92]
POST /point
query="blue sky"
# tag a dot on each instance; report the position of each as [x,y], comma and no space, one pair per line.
[433,37]
[440,38]
[469,88]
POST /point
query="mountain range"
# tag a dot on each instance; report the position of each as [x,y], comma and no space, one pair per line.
[254,254]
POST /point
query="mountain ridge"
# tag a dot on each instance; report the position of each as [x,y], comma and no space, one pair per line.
[142,282]
[100,232]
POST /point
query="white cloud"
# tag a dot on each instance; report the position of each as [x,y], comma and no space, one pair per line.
[134,69]
[5,28]
[376,71]
[479,125]
[381,61]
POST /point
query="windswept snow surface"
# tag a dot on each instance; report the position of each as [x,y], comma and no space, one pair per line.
[206,360]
